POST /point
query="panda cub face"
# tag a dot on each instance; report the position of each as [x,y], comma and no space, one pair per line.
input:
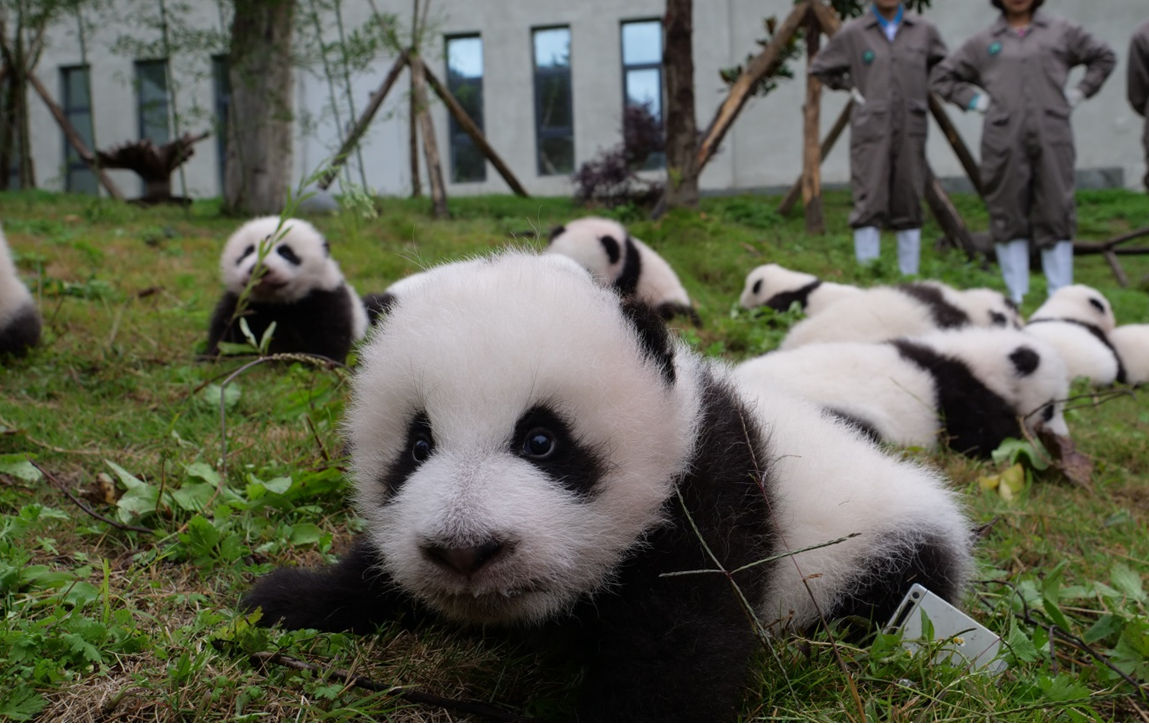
[598,244]
[512,437]
[297,262]
[990,308]
[1078,302]
[768,280]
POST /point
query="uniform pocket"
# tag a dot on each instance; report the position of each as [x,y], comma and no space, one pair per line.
[916,117]
[869,121]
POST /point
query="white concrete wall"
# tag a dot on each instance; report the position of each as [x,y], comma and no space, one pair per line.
[763,148]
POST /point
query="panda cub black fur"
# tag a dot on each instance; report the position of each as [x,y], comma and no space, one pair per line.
[299,287]
[19,318]
[532,456]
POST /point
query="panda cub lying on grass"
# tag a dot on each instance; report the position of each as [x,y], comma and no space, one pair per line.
[298,286]
[537,458]
[970,387]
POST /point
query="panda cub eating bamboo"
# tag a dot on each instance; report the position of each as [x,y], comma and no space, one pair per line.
[533,456]
[298,287]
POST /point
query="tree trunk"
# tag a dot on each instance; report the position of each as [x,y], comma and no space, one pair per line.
[413,139]
[259,149]
[678,114]
[430,145]
[811,149]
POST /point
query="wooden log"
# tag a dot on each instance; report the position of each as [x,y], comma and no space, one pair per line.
[832,137]
[471,128]
[826,16]
[413,141]
[1115,266]
[430,145]
[811,148]
[947,216]
[957,143]
[762,65]
[73,138]
[360,127]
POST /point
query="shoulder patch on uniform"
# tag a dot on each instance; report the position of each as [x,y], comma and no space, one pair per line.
[994,48]
[868,57]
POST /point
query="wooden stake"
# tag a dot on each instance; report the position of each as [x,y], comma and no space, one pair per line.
[430,146]
[762,65]
[832,137]
[364,121]
[947,216]
[811,149]
[413,140]
[73,138]
[467,124]
[956,142]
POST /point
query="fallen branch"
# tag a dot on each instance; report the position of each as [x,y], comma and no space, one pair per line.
[85,507]
[418,697]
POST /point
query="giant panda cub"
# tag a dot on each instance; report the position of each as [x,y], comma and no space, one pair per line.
[614,258]
[1132,345]
[1076,320]
[969,386]
[906,310]
[19,318]
[298,286]
[537,457]
[777,288]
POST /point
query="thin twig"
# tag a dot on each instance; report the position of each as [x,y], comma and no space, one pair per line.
[83,506]
[1068,638]
[471,707]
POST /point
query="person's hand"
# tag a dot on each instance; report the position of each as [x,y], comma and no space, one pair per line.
[979,103]
[1074,96]
[857,96]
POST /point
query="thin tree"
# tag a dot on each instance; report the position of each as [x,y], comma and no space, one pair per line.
[259,149]
[681,129]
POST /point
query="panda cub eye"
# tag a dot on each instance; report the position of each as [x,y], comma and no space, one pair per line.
[288,253]
[247,252]
[420,442]
[539,443]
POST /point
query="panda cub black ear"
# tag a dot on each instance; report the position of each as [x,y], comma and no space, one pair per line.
[610,246]
[652,334]
[555,232]
[1025,360]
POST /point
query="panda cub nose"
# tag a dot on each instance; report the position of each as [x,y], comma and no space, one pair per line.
[465,560]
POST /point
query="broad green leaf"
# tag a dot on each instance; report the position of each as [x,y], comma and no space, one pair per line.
[1127,581]
[203,472]
[193,496]
[305,534]
[1106,626]
[230,395]
[18,466]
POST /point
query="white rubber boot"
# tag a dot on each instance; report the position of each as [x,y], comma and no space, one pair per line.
[909,251]
[867,244]
[1057,263]
[1013,258]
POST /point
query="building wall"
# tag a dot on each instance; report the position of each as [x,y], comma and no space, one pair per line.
[763,149]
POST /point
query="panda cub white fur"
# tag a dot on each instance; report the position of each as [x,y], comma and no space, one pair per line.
[906,310]
[299,287]
[19,319]
[1132,345]
[616,259]
[969,386]
[1076,320]
[777,287]
[532,454]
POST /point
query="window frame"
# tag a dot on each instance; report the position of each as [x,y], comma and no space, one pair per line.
[657,159]
[73,165]
[221,101]
[536,76]
[140,114]
[457,138]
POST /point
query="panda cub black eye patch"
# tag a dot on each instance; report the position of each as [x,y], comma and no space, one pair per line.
[418,446]
[247,252]
[544,439]
[757,287]
[288,253]
[1097,303]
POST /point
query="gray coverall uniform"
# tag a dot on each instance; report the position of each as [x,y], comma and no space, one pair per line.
[1027,154]
[888,131]
[1138,85]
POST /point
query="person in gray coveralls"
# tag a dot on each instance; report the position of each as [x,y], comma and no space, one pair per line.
[884,58]
[1014,72]
[1138,85]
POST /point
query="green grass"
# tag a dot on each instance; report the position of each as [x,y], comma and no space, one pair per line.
[97,622]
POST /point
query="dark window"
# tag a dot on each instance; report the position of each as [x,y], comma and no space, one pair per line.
[554,110]
[465,82]
[222,86]
[77,106]
[642,74]
[152,100]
